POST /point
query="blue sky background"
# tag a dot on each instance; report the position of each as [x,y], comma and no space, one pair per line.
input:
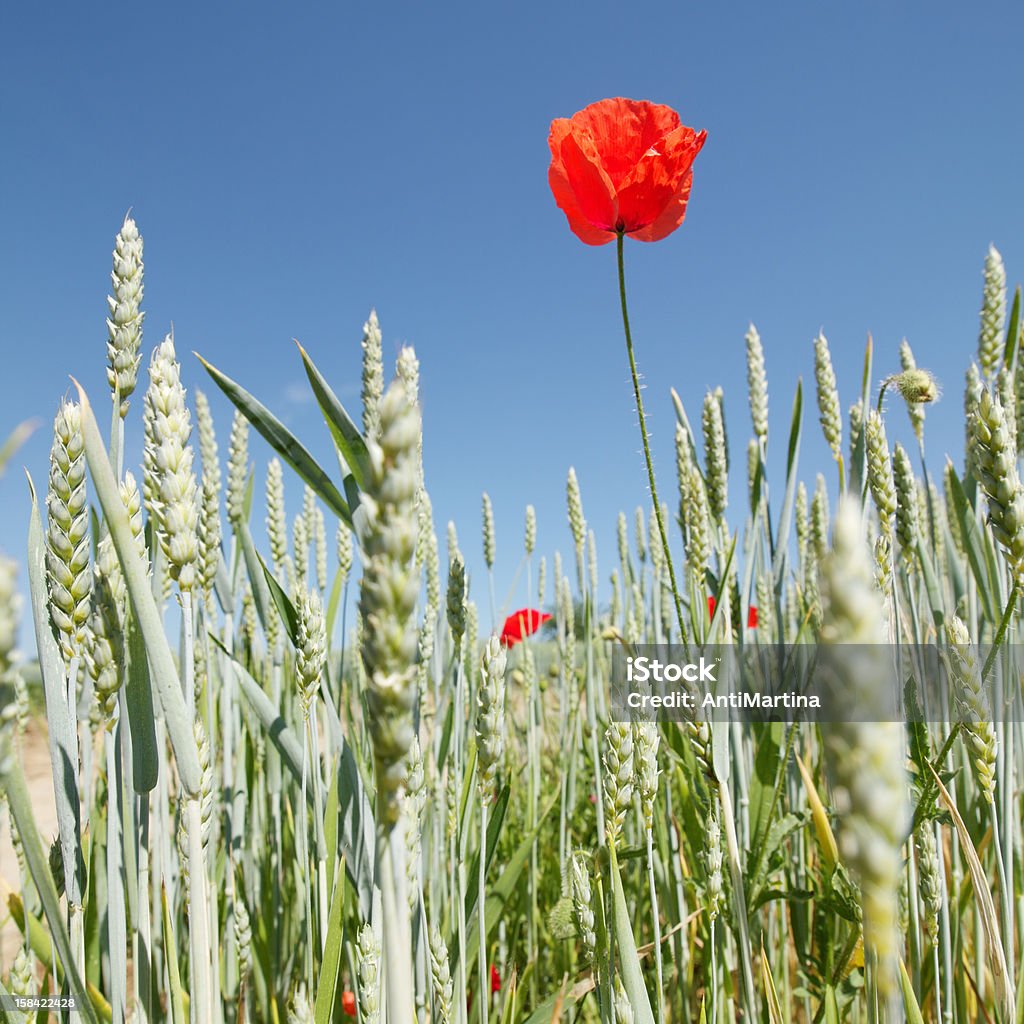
[291,167]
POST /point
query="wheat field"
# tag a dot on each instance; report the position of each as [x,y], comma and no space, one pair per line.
[295,780]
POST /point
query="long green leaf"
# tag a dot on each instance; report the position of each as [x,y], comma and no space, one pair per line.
[910,1003]
[164,674]
[356,836]
[170,944]
[282,440]
[789,500]
[328,982]
[347,438]
[141,717]
[61,730]
[20,805]
[628,961]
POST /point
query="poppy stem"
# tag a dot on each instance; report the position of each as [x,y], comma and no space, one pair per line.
[620,237]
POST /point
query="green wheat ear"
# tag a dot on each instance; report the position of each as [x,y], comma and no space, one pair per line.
[388,593]
[69,580]
[124,317]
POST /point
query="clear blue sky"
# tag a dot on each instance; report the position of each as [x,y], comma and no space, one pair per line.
[291,168]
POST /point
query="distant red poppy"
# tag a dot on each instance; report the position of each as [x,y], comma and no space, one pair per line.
[622,165]
[495,980]
[522,624]
[751,613]
[348,1003]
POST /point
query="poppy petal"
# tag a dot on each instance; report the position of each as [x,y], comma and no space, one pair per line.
[655,193]
[591,187]
[623,130]
[521,624]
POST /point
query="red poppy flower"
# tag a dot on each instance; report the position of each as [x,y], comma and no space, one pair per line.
[522,624]
[495,980]
[751,613]
[622,165]
[348,1003]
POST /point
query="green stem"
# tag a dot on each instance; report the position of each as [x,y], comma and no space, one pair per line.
[647,448]
[481,915]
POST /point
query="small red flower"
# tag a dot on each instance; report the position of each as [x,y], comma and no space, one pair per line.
[348,1003]
[495,980]
[751,613]
[622,165]
[522,624]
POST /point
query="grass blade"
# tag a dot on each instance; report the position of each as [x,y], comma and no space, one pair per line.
[281,439]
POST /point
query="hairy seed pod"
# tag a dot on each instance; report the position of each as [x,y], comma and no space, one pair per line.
[993,313]
[407,369]
[300,1009]
[344,550]
[698,530]
[623,1007]
[757,385]
[715,456]
[69,581]
[490,718]
[577,523]
[169,453]
[320,547]
[456,600]
[388,593]
[972,706]
[639,529]
[880,479]
[582,906]
[855,417]
[1008,400]
[471,644]
[714,882]
[277,522]
[994,464]
[488,531]
[908,526]
[104,650]
[210,484]
[622,538]
[124,314]
[929,876]
[618,776]
[368,960]
[373,375]
[440,975]
[819,525]
[915,409]
[865,757]
[300,549]
[243,934]
[238,468]
[310,648]
[802,523]
[828,396]
[972,396]
[645,744]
